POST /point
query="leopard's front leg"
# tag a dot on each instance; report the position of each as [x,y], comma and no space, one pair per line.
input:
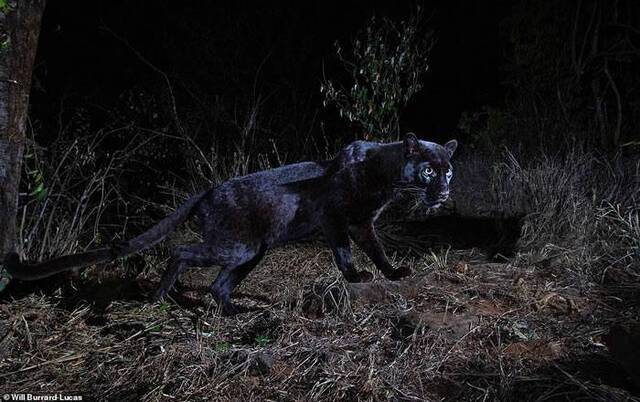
[336,231]
[366,238]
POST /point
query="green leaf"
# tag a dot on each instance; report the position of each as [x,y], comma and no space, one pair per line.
[42,195]
[38,189]
[4,280]
[222,346]
[262,340]
[3,5]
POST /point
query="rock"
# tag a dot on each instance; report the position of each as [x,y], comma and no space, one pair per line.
[383,291]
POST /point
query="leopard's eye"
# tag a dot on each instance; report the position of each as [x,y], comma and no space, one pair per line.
[428,171]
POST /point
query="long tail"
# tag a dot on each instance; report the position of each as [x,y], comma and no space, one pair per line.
[151,237]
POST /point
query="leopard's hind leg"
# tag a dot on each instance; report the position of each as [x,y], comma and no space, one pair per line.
[231,275]
[236,260]
[182,258]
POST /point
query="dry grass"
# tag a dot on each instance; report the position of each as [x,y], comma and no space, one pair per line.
[462,328]
[575,205]
[459,329]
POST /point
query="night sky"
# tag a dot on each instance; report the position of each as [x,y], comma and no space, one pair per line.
[217,47]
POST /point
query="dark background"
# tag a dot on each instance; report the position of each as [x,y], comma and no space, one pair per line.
[225,51]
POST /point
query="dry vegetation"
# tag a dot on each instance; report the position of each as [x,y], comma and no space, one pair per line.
[526,287]
[556,321]
[460,328]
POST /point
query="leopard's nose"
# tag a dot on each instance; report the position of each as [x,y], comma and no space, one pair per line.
[444,196]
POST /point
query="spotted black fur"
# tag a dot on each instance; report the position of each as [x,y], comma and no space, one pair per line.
[245,216]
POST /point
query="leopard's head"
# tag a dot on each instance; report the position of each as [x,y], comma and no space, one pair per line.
[427,169]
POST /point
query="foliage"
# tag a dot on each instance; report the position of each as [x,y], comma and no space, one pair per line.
[384,63]
[5,39]
[263,340]
[4,43]
[72,188]
[35,176]
[572,70]
[574,203]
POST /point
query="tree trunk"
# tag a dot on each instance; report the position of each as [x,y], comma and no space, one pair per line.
[19,29]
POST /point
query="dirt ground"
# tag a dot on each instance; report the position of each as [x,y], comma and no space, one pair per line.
[460,328]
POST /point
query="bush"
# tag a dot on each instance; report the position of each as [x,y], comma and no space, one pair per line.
[575,204]
[384,63]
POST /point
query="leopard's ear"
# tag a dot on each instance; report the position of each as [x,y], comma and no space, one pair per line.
[451,147]
[411,144]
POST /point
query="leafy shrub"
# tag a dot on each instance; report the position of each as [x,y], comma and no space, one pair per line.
[384,63]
